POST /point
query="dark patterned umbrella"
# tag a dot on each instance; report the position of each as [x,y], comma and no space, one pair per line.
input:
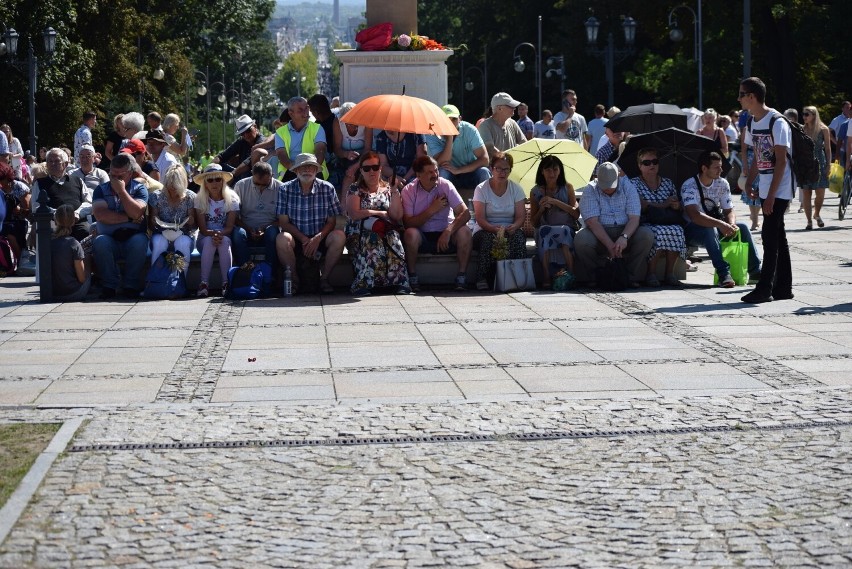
[678,151]
[647,118]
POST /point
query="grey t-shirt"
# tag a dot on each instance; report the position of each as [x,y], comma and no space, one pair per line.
[65,250]
[503,137]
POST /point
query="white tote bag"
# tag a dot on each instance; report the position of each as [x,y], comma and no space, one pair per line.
[514,274]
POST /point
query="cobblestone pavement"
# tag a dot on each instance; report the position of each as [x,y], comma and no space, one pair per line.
[643,429]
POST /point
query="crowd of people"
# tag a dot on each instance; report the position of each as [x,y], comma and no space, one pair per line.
[317,184]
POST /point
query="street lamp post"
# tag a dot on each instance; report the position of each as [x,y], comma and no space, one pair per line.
[552,61]
[483,75]
[519,64]
[31,62]
[202,91]
[610,54]
[298,79]
[676,35]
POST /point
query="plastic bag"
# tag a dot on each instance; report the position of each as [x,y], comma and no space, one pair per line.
[735,253]
[835,178]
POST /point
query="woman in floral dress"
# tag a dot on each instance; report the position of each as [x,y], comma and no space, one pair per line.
[375,213]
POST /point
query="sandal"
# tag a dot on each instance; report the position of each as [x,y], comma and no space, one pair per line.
[820,222]
[652,281]
[325,287]
[203,292]
[672,280]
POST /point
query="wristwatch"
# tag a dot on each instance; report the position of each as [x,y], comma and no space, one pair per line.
[626,238]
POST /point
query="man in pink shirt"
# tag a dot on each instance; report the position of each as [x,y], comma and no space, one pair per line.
[435,217]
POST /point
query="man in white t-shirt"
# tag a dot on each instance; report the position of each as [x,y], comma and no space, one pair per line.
[709,213]
[770,137]
[597,125]
[569,123]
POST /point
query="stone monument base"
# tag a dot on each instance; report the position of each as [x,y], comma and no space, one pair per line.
[366,73]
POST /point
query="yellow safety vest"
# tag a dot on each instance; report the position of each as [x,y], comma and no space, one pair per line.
[308,143]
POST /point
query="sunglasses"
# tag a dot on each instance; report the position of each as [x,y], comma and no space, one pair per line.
[806,114]
[214,180]
[373,168]
[653,162]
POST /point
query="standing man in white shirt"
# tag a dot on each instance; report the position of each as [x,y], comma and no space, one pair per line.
[769,134]
[569,123]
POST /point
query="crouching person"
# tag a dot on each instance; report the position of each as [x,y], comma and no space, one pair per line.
[307,213]
[119,206]
[71,279]
[436,219]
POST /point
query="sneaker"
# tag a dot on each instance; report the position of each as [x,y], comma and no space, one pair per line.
[361,292]
[402,289]
[672,280]
[482,284]
[414,281]
[203,292]
[26,268]
[461,283]
[727,282]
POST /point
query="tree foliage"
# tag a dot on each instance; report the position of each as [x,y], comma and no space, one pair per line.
[107,51]
[300,64]
[792,43]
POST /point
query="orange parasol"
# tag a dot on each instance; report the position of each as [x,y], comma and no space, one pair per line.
[402,114]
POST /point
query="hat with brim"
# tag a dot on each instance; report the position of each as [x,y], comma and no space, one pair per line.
[305,159]
[156,135]
[243,123]
[212,171]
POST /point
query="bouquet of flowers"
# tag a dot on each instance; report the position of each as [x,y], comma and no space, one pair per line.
[414,42]
[175,261]
[500,250]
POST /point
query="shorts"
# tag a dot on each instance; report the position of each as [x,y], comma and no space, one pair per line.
[429,243]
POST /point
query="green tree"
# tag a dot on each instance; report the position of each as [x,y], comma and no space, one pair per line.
[302,63]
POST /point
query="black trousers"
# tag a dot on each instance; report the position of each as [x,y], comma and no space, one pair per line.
[776,276]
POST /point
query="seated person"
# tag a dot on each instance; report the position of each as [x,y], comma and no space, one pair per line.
[499,206]
[62,188]
[239,157]
[307,214]
[462,159]
[375,211]
[659,196]
[174,205]
[554,212]
[257,223]
[350,141]
[216,210]
[610,208]
[71,279]
[15,195]
[397,151]
[119,206]
[435,218]
[707,207]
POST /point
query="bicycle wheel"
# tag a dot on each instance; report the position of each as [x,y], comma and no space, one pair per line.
[845,194]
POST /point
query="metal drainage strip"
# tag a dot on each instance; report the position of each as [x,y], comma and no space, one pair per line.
[545,436]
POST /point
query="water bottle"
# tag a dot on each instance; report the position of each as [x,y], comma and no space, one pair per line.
[288,282]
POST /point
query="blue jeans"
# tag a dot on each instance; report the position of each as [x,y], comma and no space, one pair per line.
[708,237]
[107,252]
[468,180]
[240,243]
